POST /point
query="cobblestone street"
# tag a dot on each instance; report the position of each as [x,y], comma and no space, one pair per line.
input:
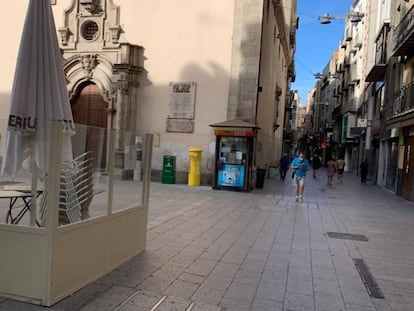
[347,247]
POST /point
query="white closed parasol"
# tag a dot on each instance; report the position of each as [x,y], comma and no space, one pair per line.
[39,96]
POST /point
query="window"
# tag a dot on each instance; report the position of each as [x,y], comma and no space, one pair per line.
[89,30]
[233,150]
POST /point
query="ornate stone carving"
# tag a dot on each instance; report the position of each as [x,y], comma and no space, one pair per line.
[122,87]
[115,33]
[104,13]
[89,63]
[64,35]
[92,6]
[100,55]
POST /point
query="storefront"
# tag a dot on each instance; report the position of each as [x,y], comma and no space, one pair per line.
[234,155]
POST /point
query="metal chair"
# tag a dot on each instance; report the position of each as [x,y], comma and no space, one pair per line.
[76,190]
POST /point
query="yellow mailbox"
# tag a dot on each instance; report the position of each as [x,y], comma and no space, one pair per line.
[194,174]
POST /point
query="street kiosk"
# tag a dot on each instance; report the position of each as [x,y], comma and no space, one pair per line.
[234,155]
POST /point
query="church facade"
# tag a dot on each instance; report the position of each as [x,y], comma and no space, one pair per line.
[171,68]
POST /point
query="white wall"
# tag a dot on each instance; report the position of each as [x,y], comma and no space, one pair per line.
[12,24]
[23,262]
[184,41]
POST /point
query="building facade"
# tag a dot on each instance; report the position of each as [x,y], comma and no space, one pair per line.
[171,68]
[388,138]
[290,140]
[374,112]
[399,100]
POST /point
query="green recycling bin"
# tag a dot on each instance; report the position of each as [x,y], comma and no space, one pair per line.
[168,170]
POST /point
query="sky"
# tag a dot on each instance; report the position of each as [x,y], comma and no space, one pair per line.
[315,42]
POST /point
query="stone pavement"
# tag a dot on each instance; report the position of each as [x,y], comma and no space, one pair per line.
[348,247]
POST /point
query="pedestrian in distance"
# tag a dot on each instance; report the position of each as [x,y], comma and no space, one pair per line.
[284,166]
[300,165]
[316,164]
[340,166]
[330,171]
[364,171]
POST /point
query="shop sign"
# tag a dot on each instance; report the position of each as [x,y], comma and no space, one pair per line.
[362,122]
[240,133]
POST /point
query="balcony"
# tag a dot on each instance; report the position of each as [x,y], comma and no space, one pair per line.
[349,106]
[400,112]
[357,41]
[345,86]
[403,37]
[403,100]
[377,72]
[340,67]
[291,71]
[355,74]
[348,34]
[347,61]
[339,90]
[292,38]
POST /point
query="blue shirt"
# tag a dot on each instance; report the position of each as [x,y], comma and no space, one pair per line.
[303,166]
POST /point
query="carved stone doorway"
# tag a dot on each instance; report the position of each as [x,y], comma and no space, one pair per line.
[90,109]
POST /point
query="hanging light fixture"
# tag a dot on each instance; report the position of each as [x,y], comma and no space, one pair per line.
[355,17]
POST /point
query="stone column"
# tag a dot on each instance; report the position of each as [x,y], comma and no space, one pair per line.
[121,112]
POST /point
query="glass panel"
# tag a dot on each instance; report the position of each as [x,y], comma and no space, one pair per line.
[85,190]
[16,191]
[233,150]
[90,170]
[84,181]
[128,172]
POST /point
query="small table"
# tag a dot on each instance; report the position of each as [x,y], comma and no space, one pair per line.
[24,188]
[14,196]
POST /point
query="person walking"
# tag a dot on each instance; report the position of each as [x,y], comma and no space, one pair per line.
[300,165]
[340,166]
[316,164]
[364,171]
[284,166]
[331,171]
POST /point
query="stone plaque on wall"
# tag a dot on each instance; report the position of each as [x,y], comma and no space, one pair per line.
[182,100]
[180,126]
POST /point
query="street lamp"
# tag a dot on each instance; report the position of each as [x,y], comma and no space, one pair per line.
[319,75]
[355,17]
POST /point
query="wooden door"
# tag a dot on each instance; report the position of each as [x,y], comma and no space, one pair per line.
[89,108]
[407,172]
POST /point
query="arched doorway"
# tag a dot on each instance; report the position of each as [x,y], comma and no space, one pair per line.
[89,109]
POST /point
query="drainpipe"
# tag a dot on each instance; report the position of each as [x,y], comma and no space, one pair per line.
[259,88]
[369,126]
